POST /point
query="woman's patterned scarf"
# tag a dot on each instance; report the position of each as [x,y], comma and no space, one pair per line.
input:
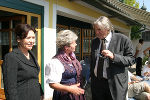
[62,57]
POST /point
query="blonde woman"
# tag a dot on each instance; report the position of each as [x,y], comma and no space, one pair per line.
[63,73]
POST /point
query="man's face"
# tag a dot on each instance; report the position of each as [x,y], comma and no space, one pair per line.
[101,33]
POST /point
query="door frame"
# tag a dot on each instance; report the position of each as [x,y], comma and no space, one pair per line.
[28,14]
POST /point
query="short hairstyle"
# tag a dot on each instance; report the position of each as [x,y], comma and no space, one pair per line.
[141,40]
[104,23]
[21,31]
[65,38]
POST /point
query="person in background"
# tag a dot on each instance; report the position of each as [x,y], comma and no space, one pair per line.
[63,72]
[109,66]
[139,56]
[138,89]
[146,70]
[20,68]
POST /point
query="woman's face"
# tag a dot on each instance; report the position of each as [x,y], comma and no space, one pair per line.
[72,47]
[28,42]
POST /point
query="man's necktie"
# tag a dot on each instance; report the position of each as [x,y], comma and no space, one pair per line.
[101,60]
[103,45]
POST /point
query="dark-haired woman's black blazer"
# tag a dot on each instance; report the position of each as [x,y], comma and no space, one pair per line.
[20,76]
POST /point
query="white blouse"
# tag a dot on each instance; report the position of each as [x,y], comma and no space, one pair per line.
[53,71]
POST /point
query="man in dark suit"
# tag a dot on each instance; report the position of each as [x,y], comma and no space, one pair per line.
[109,66]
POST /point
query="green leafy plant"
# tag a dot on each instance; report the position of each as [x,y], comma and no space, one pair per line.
[132,3]
[135,32]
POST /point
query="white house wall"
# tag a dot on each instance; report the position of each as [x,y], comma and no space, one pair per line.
[49,39]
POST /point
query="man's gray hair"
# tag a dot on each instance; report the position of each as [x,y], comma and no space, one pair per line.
[104,23]
[65,38]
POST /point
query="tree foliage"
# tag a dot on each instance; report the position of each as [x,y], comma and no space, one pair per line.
[132,3]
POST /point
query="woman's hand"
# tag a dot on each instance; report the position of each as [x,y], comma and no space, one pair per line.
[75,89]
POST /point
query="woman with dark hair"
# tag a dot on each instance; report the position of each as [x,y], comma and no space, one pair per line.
[20,68]
[63,72]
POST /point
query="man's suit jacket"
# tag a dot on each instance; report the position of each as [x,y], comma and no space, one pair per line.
[21,77]
[117,68]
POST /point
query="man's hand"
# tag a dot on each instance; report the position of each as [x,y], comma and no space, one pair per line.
[108,53]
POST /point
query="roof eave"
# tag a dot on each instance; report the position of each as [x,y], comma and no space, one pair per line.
[112,11]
